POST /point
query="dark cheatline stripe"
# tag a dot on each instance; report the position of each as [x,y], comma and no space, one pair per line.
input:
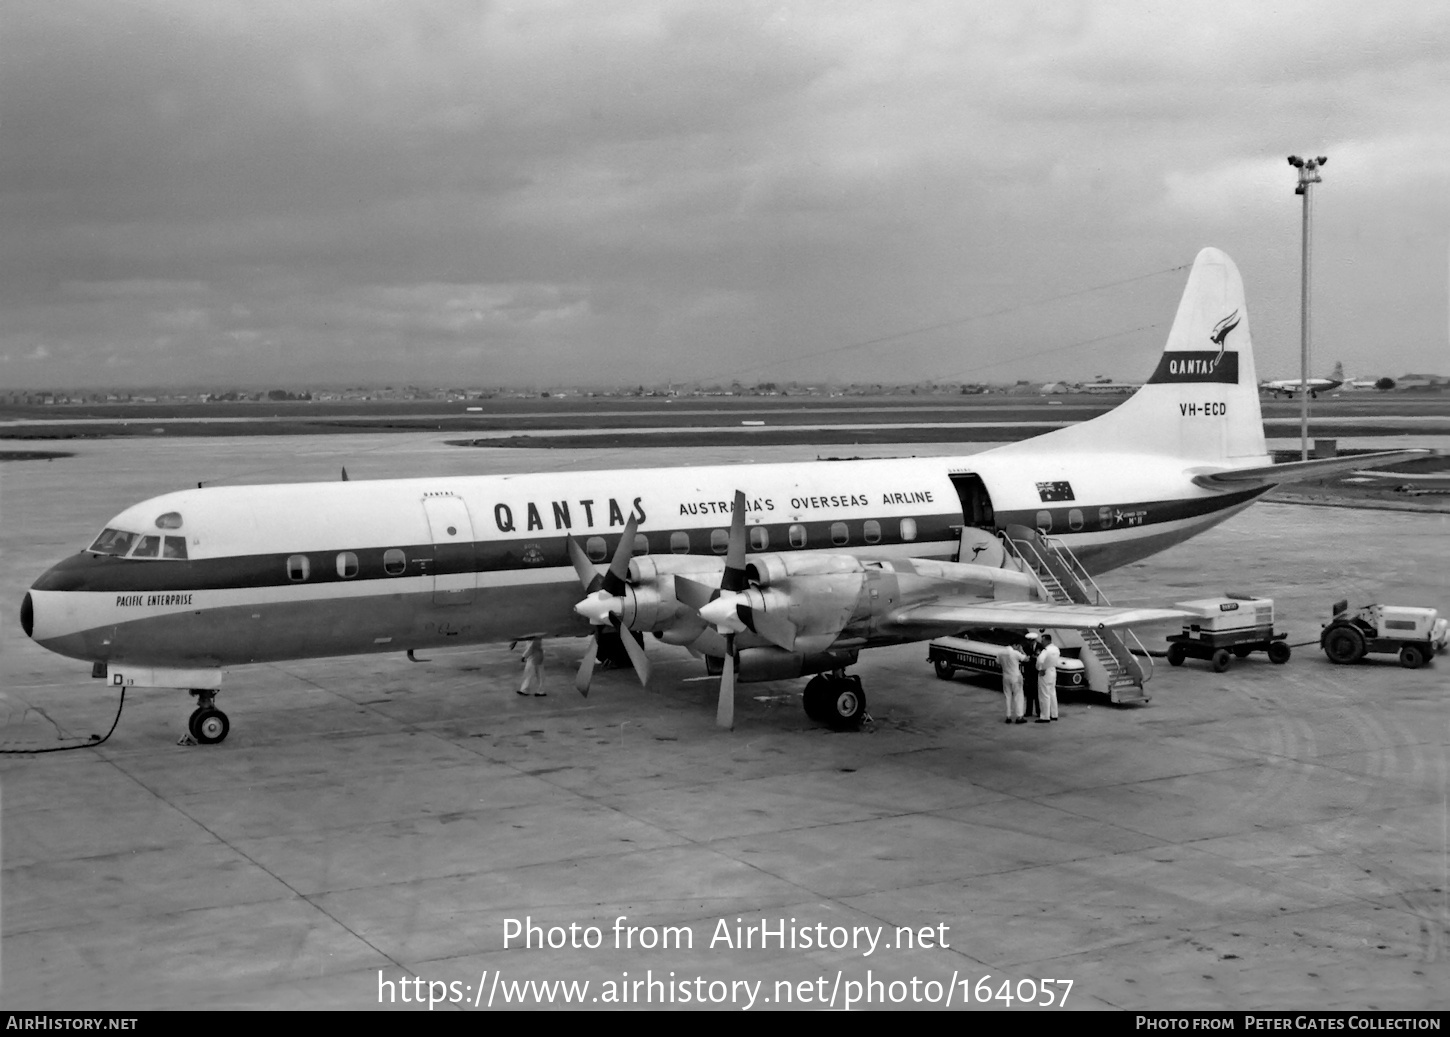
[1088,519]
[88,572]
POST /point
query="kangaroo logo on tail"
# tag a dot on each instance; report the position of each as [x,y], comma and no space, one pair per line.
[1219,335]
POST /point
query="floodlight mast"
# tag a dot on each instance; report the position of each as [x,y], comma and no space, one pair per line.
[1308,175]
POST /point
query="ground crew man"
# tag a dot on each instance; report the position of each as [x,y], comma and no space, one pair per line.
[1047,686]
[1011,660]
[533,660]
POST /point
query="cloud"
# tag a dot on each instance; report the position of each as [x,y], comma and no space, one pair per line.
[635,185]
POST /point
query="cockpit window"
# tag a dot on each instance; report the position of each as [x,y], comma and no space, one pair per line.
[113,542]
[175,548]
[171,520]
[147,547]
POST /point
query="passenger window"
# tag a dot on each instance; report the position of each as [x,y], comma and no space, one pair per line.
[797,535]
[641,544]
[871,531]
[298,567]
[595,549]
[759,538]
[147,547]
[113,542]
[680,542]
[1074,519]
[395,562]
[175,548]
[839,533]
[1044,521]
[908,529]
[347,565]
[719,541]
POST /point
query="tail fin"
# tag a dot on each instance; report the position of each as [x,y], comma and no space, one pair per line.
[1202,401]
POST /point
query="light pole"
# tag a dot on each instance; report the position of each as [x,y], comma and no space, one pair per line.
[1308,175]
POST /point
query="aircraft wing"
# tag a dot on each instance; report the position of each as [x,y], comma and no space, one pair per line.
[947,615]
[1297,471]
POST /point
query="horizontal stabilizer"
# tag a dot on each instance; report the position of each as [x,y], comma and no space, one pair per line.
[946,616]
[1298,471]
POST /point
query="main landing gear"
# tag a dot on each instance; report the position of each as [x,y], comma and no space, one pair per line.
[836,700]
[207,724]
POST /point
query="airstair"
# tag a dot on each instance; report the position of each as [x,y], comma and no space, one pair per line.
[1107,655]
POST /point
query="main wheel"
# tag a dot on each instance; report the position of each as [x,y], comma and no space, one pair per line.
[1220,660]
[1344,644]
[1278,653]
[815,697]
[846,705]
[209,725]
[1412,657]
[1176,654]
[944,670]
[191,721]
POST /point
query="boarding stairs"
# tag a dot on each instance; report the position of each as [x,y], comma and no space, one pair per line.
[1107,655]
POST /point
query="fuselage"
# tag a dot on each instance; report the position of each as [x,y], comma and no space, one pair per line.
[194,581]
[318,569]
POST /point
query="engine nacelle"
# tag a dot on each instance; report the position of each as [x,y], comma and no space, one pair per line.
[649,568]
[765,569]
[649,601]
[776,664]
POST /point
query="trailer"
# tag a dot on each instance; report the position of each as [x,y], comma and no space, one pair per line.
[1227,628]
[1414,634]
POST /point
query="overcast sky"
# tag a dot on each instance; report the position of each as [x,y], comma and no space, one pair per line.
[212,192]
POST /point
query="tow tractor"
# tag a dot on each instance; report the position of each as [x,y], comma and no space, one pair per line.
[1227,628]
[1416,634]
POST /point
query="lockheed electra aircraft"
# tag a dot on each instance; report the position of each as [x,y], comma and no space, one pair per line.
[768,571]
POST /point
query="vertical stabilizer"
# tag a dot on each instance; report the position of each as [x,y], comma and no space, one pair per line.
[1201,402]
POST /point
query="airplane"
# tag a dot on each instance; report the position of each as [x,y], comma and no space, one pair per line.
[770,572]
[1297,386]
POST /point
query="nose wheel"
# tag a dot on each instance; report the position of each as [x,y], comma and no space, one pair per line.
[207,724]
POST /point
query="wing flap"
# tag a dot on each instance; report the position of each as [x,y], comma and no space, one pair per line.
[946,616]
[1298,471]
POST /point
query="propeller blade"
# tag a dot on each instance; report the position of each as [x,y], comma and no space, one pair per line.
[733,578]
[725,709]
[619,565]
[709,643]
[693,595]
[637,656]
[586,667]
[775,629]
[588,578]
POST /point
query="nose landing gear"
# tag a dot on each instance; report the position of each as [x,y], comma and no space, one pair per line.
[207,725]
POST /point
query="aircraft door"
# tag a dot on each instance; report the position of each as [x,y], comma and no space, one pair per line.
[976,501]
[979,544]
[454,574]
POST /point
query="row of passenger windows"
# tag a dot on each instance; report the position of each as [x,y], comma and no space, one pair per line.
[395,561]
[758,538]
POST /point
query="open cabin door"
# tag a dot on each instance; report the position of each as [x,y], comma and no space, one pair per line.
[454,576]
[978,544]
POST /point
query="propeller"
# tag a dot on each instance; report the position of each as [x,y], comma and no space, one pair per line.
[603,604]
[720,608]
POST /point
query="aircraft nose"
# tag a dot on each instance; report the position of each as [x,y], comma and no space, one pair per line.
[27,615]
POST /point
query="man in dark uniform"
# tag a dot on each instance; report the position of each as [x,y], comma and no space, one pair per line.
[1030,677]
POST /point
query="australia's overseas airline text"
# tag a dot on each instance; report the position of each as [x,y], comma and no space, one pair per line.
[563,514]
